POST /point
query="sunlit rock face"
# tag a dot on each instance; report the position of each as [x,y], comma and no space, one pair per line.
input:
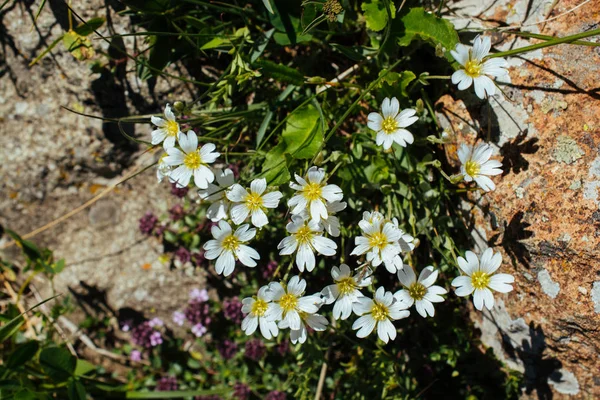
[545,212]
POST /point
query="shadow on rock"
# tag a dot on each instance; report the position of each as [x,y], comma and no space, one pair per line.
[512,153]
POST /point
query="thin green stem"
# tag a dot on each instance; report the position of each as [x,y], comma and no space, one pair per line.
[566,39]
[547,37]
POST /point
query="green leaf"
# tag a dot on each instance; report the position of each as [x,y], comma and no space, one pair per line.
[303,135]
[25,394]
[275,169]
[395,81]
[215,43]
[58,363]
[268,6]
[88,27]
[376,15]
[59,266]
[9,329]
[420,24]
[83,367]
[75,390]
[280,72]
[22,354]
[78,45]
[260,44]
[31,251]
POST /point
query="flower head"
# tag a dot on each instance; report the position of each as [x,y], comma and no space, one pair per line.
[289,302]
[192,161]
[216,194]
[259,312]
[178,318]
[480,278]
[345,291]
[315,322]
[168,131]
[390,124]
[313,193]
[306,238]
[199,330]
[332,223]
[379,313]
[422,292]
[475,69]
[253,202]
[476,164]
[229,246]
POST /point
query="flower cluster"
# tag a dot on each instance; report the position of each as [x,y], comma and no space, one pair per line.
[147,335]
[197,313]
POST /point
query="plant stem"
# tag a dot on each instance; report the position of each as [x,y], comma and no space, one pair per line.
[566,39]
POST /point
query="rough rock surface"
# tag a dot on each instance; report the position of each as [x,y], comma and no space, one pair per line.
[52,161]
[544,215]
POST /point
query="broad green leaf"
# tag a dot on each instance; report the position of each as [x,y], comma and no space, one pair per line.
[22,354]
[79,46]
[25,394]
[420,24]
[376,15]
[275,169]
[397,82]
[216,42]
[75,390]
[83,367]
[10,328]
[58,363]
[303,134]
[280,72]
[260,44]
[30,249]
[85,29]
[268,6]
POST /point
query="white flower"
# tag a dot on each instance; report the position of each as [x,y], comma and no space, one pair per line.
[332,223]
[406,243]
[476,164]
[379,313]
[313,193]
[316,321]
[163,170]
[422,292]
[345,291]
[254,202]
[380,242]
[259,313]
[306,238]
[390,124]
[289,302]
[216,195]
[228,246]
[480,278]
[168,129]
[193,160]
[475,68]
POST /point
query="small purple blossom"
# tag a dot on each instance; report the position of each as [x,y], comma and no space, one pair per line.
[198,258]
[167,384]
[283,347]
[183,255]
[241,391]
[147,223]
[227,349]
[255,349]
[155,338]
[178,192]
[199,295]
[135,355]
[269,270]
[198,312]
[232,309]
[176,212]
[178,318]
[275,395]
[199,330]
[154,322]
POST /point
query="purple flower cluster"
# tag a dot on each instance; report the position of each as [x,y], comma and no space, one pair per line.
[275,395]
[269,270]
[232,309]
[197,312]
[255,349]
[178,192]
[176,212]
[227,349]
[241,391]
[183,255]
[147,223]
[144,335]
[167,384]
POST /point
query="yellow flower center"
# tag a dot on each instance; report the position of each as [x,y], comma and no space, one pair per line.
[389,125]
[379,312]
[288,302]
[473,68]
[304,234]
[253,201]
[192,160]
[312,191]
[346,285]
[378,240]
[472,168]
[480,280]
[259,308]
[417,291]
[172,128]
[231,243]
